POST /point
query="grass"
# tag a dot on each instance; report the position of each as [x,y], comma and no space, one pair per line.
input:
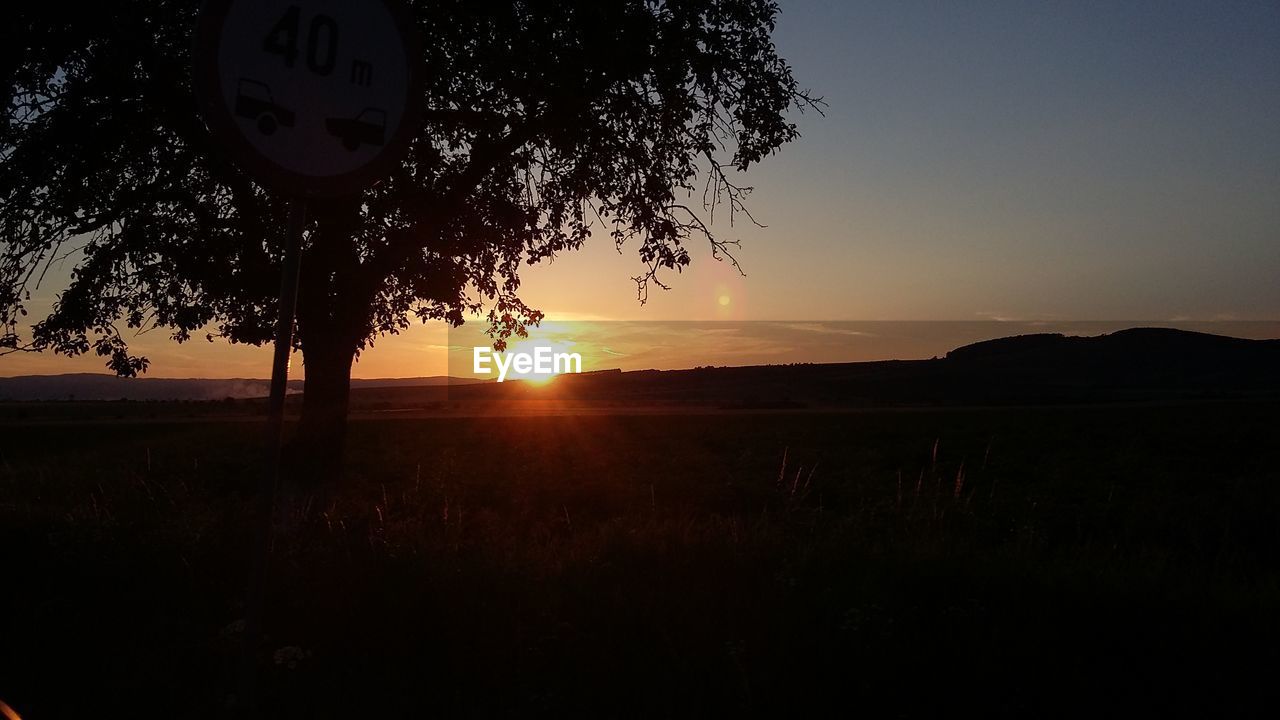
[1017,561]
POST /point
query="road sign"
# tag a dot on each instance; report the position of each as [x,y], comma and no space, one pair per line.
[314,97]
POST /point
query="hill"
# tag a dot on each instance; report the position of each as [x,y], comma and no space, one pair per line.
[101,386]
[1140,364]
[1135,365]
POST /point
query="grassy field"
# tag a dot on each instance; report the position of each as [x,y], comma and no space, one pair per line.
[903,563]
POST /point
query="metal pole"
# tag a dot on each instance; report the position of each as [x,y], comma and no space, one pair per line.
[261,549]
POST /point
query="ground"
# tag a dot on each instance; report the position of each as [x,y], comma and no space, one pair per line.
[905,562]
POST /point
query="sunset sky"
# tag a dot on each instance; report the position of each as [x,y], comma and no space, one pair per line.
[1045,161]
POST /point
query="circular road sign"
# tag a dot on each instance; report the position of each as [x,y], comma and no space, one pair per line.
[314,97]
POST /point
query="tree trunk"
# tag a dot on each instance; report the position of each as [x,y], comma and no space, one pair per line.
[333,317]
[323,428]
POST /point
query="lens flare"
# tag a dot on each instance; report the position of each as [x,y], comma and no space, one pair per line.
[8,712]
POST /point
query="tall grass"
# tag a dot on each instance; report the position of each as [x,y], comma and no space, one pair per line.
[908,563]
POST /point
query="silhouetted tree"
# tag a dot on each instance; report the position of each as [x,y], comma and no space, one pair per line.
[544,118]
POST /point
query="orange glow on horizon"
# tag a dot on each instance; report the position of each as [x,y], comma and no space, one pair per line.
[539,381]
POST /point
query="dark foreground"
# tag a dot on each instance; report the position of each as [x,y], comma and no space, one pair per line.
[911,563]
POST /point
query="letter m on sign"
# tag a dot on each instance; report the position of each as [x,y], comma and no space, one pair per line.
[361,73]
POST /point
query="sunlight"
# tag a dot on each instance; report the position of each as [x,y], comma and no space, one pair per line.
[529,346]
[538,381]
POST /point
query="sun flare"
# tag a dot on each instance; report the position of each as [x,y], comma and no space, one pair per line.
[538,380]
[529,346]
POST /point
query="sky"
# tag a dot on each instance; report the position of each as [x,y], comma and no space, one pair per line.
[1009,161]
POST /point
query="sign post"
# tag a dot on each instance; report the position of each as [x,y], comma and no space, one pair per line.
[313,98]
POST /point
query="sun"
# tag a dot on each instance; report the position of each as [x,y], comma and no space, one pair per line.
[537,380]
[724,301]
[542,377]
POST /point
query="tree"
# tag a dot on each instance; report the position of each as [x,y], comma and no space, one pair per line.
[545,119]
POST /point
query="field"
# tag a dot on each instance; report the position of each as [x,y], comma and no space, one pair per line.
[899,562]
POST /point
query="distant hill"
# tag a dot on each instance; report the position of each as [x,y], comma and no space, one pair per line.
[96,386]
[1144,346]
[1135,363]
[1140,364]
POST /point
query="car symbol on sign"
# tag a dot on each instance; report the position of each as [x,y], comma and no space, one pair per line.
[254,102]
[367,128]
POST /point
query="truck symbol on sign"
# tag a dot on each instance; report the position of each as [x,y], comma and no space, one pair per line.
[254,102]
[369,127]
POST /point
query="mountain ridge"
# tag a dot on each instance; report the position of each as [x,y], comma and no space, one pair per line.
[1041,367]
